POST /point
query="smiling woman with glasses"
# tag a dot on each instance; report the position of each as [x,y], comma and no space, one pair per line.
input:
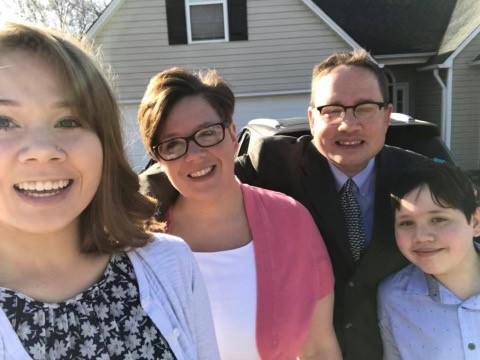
[207,136]
[266,267]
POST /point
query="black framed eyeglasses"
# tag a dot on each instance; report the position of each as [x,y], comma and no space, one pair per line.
[207,136]
[364,112]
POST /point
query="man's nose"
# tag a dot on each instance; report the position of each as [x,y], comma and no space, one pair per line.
[349,121]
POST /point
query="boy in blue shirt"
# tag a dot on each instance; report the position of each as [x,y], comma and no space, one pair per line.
[431,308]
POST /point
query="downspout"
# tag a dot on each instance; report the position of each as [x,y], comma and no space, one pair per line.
[448,108]
[443,127]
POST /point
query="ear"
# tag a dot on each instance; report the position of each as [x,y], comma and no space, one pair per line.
[232,132]
[160,163]
[476,222]
[311,119]
[388,114]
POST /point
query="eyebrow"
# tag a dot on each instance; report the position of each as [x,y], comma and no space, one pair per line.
[429,212]
[358,102]
[7,102]
[58,104]
[63,104]
[167,137]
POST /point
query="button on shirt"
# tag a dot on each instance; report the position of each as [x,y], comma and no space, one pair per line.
[364,193]
[422,319]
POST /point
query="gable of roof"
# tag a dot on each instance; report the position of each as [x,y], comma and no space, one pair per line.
[387,27]
[463,26]
[106,14]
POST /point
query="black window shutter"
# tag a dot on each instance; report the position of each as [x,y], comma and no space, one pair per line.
[176,22]
[237,20]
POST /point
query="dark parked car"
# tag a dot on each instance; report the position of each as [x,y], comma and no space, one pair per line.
[404,132]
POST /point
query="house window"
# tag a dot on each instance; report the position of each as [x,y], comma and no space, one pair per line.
[197,21]
[401,104]
[207,20]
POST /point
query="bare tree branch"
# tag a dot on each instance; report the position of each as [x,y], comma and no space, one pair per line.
[75,16]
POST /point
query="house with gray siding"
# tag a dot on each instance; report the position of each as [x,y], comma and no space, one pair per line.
[266,49]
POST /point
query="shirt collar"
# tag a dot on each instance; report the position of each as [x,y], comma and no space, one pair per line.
[422,284]
[360,179]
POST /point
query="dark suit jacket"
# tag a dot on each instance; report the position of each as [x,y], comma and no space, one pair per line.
[295,167]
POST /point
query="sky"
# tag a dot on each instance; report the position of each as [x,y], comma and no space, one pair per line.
[6,12]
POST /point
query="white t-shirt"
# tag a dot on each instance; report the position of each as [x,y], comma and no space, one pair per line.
[230,277]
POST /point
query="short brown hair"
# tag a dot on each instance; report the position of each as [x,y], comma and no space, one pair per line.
[118,217]
[358,58]
[170,86]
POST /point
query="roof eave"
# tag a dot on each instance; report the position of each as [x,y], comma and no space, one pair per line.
[103,18]
[449,61]
[405,59]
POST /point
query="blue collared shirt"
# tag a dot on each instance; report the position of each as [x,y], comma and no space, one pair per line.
[364,193]
[421,319]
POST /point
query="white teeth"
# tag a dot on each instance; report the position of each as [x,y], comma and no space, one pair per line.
[201,172]
[39,195]
[357,142]
[43,185]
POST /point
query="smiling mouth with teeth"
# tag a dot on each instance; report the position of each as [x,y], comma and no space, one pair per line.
[350,143]
[42,188]
[200,173]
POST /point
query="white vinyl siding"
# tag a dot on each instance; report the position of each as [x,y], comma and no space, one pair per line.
[466,108]
[285,41]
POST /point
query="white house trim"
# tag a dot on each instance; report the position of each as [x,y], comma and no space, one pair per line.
[446,127]
[443,113]
[462,46]
[448,107]
[404,59]
[103,18]
[444,65]
[273,93]
[224,4]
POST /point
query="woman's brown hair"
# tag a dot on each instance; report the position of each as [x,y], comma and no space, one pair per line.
[118,217]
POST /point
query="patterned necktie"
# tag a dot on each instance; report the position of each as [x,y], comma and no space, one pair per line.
[353,219]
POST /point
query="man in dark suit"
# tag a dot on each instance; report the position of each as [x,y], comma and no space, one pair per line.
[349,116]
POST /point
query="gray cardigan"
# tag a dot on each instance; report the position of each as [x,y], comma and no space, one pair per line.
[171,292]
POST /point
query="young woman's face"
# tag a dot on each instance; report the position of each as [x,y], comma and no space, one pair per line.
[202,171]
[436,239]
[50,160]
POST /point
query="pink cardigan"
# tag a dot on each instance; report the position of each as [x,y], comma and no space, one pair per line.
[293,270]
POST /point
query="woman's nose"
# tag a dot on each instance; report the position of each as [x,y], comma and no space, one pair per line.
[41,149]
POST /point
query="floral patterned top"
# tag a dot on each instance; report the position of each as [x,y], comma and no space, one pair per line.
[104,322]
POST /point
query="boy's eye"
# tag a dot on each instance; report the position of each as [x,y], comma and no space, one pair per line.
[68,123]
[6,122]
[438,219]
[404,223]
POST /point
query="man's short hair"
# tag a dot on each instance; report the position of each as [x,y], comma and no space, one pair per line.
[358,58]
[449,186]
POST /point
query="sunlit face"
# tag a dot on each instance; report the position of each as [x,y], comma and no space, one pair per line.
[436,239]
[202,173]
[50,160]
[351,144]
